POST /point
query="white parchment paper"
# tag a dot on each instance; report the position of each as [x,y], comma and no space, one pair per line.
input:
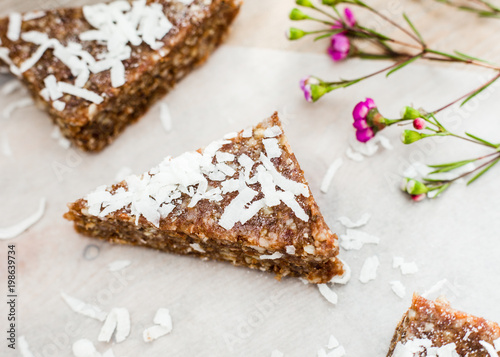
[220,310]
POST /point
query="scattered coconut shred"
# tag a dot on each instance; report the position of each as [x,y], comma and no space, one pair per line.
[406,268]
[330,173]
[163,326]
[328,294]
[24,348]
[369,269]
[165,117]
[348,223]
[398,288]
[336,349]
[18,228]
[83,308]
[354,239]
[117,320]
[118,265]
[85,348]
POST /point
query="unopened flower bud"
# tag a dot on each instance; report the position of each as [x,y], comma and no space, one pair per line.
[418,198]
[414,187]
[410,113]
[410,136]
[295,33]
[419,124]
[305,3]
[297,15]
[404,183]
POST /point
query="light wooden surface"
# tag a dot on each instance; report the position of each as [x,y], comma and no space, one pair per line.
[219,310]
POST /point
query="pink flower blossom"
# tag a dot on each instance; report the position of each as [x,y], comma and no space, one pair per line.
[419,124]
[418,198]
[364,135]
[339,47]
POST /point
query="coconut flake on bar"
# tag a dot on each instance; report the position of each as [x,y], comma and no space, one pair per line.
[83,308]
[328,293]
[33,15]
[330,173]
[369,269]
[275,255]
[14,29]
[80,92]
[18,228]
[272,132]
[272,148]
[197,247]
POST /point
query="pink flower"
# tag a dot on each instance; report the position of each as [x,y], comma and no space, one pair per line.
[419,124]
[305,85]
[364,135]
[418,198]
[339,47]
[349,17]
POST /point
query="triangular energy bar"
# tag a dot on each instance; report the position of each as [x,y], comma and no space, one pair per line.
[243,199]
[99,68]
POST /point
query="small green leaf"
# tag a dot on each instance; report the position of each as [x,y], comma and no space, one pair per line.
[479,90]
[451,167]
[326,35]
[401,65]
[483,171]
[471,58]
[481,140]
[413,28]
[449,164]
[375,33]
[441,189]
[448,55]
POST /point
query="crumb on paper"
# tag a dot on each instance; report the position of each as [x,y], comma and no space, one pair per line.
[369,269]
[328,293]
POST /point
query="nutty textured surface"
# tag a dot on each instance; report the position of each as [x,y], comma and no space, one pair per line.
[197,30]
[438,322]
[269,231]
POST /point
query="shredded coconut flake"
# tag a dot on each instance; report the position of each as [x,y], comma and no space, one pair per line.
[328,294]
[398,288]
[163,318]
[272,132]
[272,148]
[489,348]
[247,133]
[330,173]
[20,227]
[338,352]
[18,104]
[348,223]
[165,117]
[354,156]
[11,86]
[14,29]
[83,308]
[417,347]
[84,348]
[118,265]
[33,15]
[197,247]
[117,320]
[24,347]
[58,105]
[344,279]
[275,255]
[80,92]
[354,239]
[154,332]
[332,342]
[290,249]
[369,269]
[496,343]
[406,268]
